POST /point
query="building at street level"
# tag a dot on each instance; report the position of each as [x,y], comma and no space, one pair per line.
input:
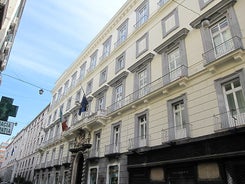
[10,15]
[165,86]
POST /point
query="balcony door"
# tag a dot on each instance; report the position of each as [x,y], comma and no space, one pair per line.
[116,138]
[174,64]
[179,122]
[235,102]
[142,130]
[222,39]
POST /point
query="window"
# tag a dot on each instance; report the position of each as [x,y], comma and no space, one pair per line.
[122,33]
[106,48]
[223,35]
[93,61]
[49,120]
[174,56]
[55,115]
[204,3]
[53,155]
[60,157]
[101,103]
[231,99]
[57,131]
[234,97]
[51,133]
[170,22]
[118,93]
[74,118]
[103,76]
[59,94]
[142,70]
[116,138]
[54,98]
[82,71]
[113,174]
[120,63]
[118,96]
[46,157]
[142,14]
[178,118]
[66,87]
[174,64]
[68,105]
[140,131]
[221,38]
[78,95]
[142,82]
[142,45]
[73,79]
[89,87]
[97,144]
[93,175]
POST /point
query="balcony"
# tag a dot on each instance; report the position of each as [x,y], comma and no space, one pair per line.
[230,120]
[120,41]
[176,133]
[112,149]
[174,78]
[94,153]
[141,21]
[95,119]
[66,160]
[222,49]
[104,55]
[57,162]
[138,142]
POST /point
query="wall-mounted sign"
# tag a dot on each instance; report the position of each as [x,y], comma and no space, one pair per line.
[6,127]
[7,108]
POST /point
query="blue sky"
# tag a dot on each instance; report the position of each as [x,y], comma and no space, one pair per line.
[51,35]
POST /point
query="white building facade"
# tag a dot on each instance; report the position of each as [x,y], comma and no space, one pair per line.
[164,81]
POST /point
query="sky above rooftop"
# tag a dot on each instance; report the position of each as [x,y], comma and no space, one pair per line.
[50,37]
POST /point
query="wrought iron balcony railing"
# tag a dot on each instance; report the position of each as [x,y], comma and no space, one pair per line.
[138,142]
[222,49]
[120,41]
[176,132]
[112,148]
[172,76]
[141,21]
[230,119]
[94,153]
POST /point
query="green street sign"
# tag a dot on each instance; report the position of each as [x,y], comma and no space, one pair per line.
[7,109]
[6,127]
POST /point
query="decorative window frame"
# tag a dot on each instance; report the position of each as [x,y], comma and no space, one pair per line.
[107,172]
[176,16]
[145,3]
[146,37]
[219,91]
[136,127]
[102,81]
[89,87]
[119,39]
[97,176]
[112,131]
[117,68]
[226,10]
